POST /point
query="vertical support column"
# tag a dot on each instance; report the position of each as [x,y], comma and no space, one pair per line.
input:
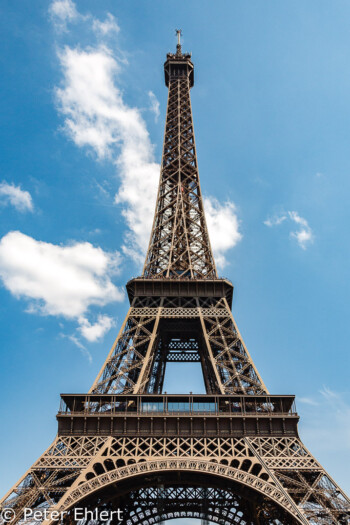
[220,386]
[144,375]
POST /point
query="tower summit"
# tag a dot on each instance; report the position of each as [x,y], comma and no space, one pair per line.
[179,245]
[232,455]
[178,64]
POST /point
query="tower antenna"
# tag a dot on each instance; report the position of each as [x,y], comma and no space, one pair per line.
[178,32]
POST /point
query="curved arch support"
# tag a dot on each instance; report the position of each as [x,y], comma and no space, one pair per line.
[97,483]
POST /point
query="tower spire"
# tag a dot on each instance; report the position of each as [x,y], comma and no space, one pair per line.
[179,246]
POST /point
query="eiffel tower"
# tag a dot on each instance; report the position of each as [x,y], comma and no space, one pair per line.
[230,456]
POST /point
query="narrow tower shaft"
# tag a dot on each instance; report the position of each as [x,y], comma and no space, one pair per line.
[180,309]
[179,245]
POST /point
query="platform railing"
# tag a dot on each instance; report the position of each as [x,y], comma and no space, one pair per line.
[167,404]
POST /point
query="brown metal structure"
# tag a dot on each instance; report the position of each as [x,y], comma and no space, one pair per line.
[232,455]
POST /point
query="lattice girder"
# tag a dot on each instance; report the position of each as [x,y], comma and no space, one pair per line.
[74,467]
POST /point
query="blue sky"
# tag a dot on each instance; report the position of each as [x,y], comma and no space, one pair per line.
[83,104]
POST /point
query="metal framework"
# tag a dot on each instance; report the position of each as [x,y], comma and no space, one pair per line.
[231,456]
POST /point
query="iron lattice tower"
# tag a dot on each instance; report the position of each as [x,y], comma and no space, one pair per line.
[231,456]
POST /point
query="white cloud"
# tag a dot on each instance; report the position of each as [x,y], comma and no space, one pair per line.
[60,280]
[223,226]
[275,221]
[110,25]
[334,407]
[303,235]
[307,401]
[95,331]
[61,12]
[97,116]
[85,352]
[154,105]
[325,429]
[331,396]
[89,100]
[11,194]
[338,405]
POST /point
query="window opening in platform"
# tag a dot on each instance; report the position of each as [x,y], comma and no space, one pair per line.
[152,406]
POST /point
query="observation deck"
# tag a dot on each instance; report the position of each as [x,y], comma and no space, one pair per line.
[177,415]
[165,287]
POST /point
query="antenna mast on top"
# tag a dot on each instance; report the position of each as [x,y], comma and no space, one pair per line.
[178,32]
